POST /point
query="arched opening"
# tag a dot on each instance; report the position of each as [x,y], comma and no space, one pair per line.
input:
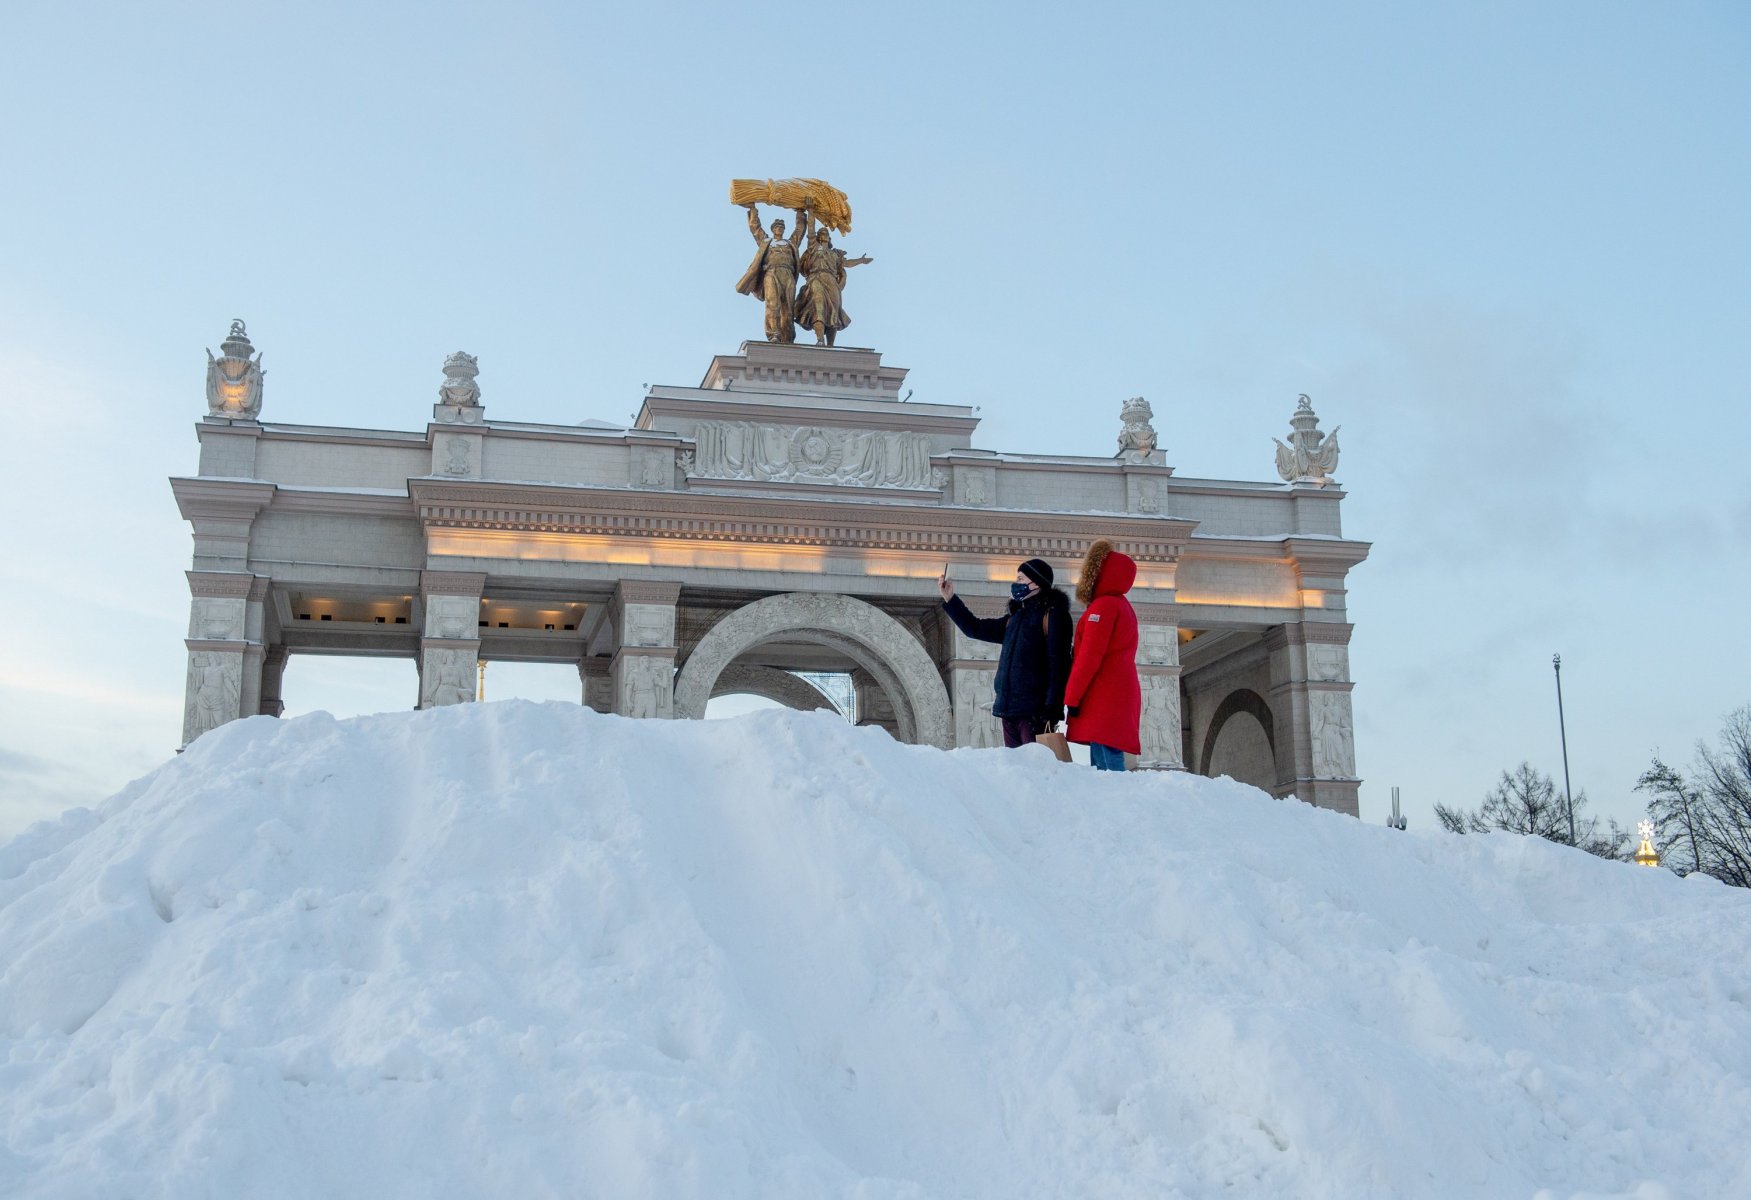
[899,685]
[1242,741]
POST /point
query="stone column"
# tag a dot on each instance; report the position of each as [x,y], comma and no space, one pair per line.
[224,661]
[273,670]
[971,674]
[1158,674]
[450,636]
[597,677]
[642,672]
[1310,705]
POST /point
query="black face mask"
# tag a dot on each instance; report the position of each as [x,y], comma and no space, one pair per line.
[1020,590]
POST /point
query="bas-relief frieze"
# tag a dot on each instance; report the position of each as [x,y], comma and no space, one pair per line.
[1334,748]
[811,454]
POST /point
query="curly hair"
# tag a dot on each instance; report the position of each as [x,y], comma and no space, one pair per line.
[1091,565]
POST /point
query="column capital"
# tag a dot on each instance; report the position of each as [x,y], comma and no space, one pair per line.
[646,591]
[1302,633]
[227,585]
[453,583]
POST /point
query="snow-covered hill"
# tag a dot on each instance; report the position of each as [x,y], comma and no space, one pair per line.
[528,950]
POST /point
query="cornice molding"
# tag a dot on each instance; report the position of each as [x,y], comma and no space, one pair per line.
[357,504]
[225,499]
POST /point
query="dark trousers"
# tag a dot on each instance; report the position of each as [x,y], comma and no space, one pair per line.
[1021,731]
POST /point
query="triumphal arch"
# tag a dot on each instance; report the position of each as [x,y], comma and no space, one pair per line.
[781,521]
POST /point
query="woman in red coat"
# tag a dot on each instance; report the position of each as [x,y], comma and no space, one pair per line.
[1103,698]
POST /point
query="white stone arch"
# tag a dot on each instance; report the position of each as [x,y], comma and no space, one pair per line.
[782,687]
[862,632]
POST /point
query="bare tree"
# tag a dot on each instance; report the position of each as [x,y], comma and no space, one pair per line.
[1525,800]
[1703,821]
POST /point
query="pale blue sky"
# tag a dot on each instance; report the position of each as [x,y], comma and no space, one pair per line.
[1503,245]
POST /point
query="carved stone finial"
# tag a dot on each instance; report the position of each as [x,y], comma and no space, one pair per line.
[1310,456]
[234,379]
[1137,438]
[459,388]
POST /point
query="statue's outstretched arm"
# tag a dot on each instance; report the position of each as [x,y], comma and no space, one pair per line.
[754,225]
[802,227]
[858,262]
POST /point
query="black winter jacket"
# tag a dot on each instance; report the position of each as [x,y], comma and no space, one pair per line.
[1035,663]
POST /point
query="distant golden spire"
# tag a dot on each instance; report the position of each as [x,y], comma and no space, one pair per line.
[1645,855]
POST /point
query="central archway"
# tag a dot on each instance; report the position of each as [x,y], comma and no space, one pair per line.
[862,632]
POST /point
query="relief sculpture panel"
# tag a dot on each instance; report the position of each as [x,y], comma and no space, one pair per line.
[810,454]
[1160,728]
[1334,747]
[215,692]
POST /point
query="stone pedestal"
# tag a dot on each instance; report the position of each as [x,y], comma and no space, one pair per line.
[642,672]
[1310,698]
[450,641]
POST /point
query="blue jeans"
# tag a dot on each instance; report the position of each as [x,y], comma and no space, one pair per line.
[1105,758]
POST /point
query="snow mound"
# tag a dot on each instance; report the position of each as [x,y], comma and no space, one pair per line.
[528,950]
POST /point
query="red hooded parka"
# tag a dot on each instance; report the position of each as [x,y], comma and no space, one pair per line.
[1103,666]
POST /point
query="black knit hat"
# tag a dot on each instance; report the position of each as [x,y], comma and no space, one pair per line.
[1038,570]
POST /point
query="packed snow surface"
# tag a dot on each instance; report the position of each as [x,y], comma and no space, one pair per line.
[528,950]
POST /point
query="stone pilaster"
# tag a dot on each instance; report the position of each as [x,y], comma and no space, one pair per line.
[1158,674]
[971,674]
[450,641]
[273,671]
[1310,705]
[874,705]
[642,672]
[224,659]
[597,677]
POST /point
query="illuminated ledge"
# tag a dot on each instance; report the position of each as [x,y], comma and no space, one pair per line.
[770,521]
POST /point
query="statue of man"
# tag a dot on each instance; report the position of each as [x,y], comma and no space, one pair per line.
[772,274]
[818,304]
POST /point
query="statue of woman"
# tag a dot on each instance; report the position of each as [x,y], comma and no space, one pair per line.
[772,274]
[818,304]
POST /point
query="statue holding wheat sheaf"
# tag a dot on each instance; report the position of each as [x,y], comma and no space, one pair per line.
[798,287]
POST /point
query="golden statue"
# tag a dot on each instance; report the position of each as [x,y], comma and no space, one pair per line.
[818,301]
[815,301]
[772,274]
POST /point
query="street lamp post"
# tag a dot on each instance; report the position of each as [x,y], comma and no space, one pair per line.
[1556,660]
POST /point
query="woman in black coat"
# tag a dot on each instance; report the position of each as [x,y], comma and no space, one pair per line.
[1035,662]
